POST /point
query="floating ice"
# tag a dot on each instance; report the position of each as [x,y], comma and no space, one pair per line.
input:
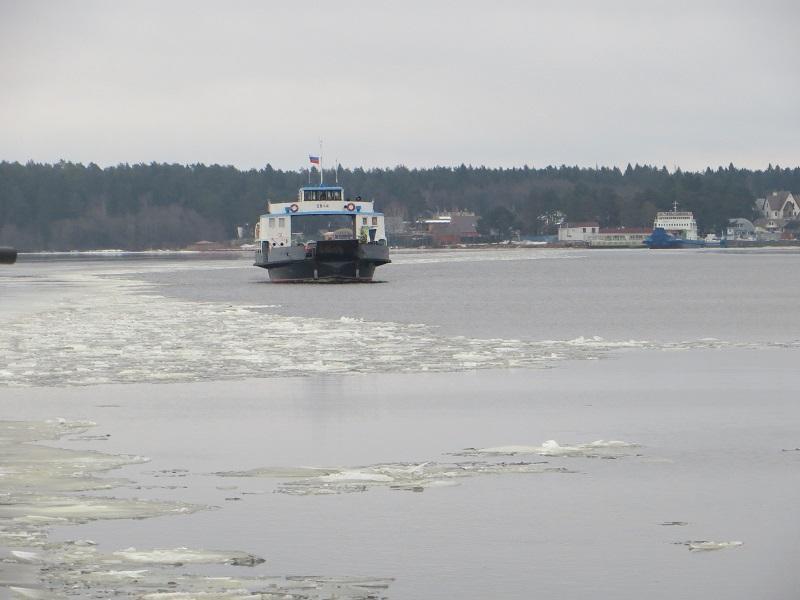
[414,477]
[111,332]
[32,593]
[178,556]
[34,486]
[598,449]
[709,546]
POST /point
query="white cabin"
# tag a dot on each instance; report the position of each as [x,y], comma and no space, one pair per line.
[320,212]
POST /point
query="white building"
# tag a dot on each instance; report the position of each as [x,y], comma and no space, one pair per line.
[679,223]
[577,232]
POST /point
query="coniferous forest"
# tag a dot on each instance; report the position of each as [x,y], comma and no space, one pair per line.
[68,206]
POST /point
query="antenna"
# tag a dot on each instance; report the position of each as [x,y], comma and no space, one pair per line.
[337,171]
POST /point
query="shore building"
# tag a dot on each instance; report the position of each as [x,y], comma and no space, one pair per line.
[577,232]
[619,237]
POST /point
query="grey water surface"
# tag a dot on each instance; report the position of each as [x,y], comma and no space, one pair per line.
[688,357]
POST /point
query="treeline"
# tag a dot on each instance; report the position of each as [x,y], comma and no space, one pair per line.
[67,206]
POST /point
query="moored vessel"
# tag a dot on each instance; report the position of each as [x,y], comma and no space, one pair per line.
[680,224]
[321,236]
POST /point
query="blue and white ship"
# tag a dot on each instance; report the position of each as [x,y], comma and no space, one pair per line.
[321,236]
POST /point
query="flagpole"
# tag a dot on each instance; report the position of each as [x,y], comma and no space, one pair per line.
[320,162]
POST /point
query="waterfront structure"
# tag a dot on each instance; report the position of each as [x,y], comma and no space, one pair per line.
[577,232]
[619,237]
[779,205]
[321,236]
[776,211]
[452,228]
[740,229]
[680,224]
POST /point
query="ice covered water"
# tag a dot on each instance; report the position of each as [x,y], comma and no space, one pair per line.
[38,491]
[118,331]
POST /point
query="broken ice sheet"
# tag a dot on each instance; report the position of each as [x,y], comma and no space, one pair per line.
[163,582]
[143,573]
[38,489]
[708,546]
[83,553]
[416,477]
[38,484]
[597,449]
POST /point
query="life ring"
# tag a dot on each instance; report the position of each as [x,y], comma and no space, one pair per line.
[350,206]
[294,208]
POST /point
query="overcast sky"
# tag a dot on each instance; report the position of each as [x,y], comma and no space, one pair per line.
[415,83]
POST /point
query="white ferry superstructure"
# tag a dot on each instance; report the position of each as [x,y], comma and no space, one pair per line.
[679,223]
[322,236]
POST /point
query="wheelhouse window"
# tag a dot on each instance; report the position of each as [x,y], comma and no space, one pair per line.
[322,195]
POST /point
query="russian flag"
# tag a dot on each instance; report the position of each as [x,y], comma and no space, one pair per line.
[314,159]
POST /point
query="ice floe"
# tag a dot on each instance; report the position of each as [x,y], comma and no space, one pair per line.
[597,449]
[709,546]
[39,488]
[415,477]
[177,556]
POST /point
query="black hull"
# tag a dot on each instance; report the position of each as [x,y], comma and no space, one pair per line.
[321,271]
[328,260]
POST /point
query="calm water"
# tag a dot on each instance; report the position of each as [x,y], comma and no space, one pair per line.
[204,367]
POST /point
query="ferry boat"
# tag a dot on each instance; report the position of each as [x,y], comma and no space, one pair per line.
[321,236]
[674,229]
[680,224]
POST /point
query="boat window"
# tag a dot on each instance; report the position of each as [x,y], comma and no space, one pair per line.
[374,220]
[272,223]
[363,220]
[281,221]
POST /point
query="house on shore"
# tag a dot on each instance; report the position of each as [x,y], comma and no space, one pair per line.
[577,233]
[740,229]
[776,211]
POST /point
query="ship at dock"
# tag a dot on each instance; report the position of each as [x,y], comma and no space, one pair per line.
[676,229]
[321,236]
